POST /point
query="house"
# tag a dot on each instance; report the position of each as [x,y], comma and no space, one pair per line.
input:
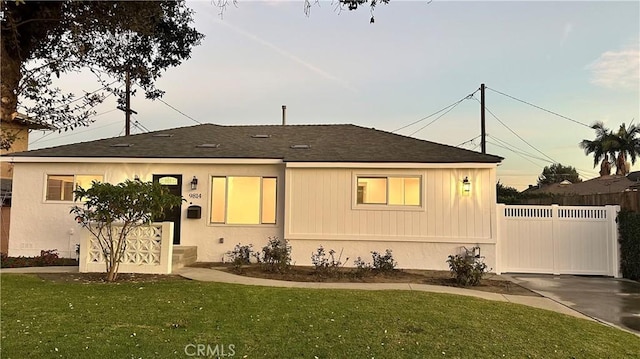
[602,190]
[15,138]
[345,187]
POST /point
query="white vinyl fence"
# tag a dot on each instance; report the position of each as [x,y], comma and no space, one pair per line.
[557,240]
[148,250]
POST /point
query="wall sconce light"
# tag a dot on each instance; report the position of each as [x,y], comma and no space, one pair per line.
[466,185]
[194,183]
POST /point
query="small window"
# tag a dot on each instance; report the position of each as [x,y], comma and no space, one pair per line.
[243,200]
[393,191]
[60,187]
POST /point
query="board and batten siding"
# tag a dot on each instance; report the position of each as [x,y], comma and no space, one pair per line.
[321,209]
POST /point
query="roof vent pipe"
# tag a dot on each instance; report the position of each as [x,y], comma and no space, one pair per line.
[284,115]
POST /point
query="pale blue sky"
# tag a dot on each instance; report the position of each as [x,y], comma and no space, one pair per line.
[579,59]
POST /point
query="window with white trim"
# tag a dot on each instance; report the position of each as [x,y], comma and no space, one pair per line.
[386,190]
[60,187]
[243,200]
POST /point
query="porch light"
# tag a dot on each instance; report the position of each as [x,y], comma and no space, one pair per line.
[466,185]
[194,183]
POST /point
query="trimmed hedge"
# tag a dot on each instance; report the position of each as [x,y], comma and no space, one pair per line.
[629,230]
[46,258]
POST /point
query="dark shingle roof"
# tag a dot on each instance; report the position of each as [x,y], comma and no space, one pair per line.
[328,143]
[602,184]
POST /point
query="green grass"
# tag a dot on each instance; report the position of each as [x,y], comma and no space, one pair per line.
[43,319]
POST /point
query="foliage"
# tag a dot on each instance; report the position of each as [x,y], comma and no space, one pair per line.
[619,145]
[507,195]
[362,268]
[139,320]
[383,263]
[629,229]
[42,40]
[240,256]
[380,264]
[276,255]
[467,269]
[557,173]
[111,212]
[326,264]
[46,258]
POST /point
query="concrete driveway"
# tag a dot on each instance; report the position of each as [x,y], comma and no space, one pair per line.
[609,300]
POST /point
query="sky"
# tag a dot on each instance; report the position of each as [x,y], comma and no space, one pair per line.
[551,69]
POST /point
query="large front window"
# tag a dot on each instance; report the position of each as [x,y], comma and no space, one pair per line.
[243,200]
[60,187]
[393,191]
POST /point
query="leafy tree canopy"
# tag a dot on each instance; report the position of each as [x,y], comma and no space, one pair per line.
[557,173]
[44,39]
[506,194]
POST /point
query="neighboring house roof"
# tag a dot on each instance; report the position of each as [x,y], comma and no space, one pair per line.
[326,143]
[602,184]
[32,123]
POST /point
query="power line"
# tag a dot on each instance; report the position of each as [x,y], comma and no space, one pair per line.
[467,141]
[540,108]
[512,131]
[516,152]
[180,112]
[435,113]
[505,143]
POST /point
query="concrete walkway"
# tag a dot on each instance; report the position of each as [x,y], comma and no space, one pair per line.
[213,275]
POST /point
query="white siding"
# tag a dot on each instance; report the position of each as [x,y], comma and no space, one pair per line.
[321,203]
[321,210]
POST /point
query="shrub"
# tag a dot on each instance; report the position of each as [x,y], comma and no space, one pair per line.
[467,269]
[276,255]
[46,258]
[383,263]
[326,265]
[629,229]
[362,269]
[240,255]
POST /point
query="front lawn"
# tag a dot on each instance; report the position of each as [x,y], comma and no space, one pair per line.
[177,318]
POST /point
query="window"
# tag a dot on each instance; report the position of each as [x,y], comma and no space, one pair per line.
[393,191]
[243,200]
[60,187]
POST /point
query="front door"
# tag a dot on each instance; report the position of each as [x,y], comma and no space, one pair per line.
[174,184]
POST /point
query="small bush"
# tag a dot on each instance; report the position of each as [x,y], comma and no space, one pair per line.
[276,255]
[362,269]
[240,256]
[383,263]
[467,269]
[326,264]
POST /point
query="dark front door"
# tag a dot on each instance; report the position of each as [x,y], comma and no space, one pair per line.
[174,184]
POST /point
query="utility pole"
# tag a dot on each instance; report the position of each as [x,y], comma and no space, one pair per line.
[483,133]
[127,104]
[127,110]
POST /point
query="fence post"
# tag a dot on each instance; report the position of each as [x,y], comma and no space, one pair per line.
[83,257]
[555,215]
[612,241]
[499,236]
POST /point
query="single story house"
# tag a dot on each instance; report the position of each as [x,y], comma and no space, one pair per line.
[345,187]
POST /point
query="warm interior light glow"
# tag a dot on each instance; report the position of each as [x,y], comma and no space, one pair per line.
[372,190]
[218,199]
[466,185]
[268,200]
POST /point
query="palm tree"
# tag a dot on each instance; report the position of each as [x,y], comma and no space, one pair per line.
[619,145]
[627,144]
[601,147]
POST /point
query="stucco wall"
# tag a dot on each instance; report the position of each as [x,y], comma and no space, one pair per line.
[37,224]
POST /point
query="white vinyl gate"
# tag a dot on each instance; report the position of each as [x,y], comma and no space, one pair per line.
[558,239]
